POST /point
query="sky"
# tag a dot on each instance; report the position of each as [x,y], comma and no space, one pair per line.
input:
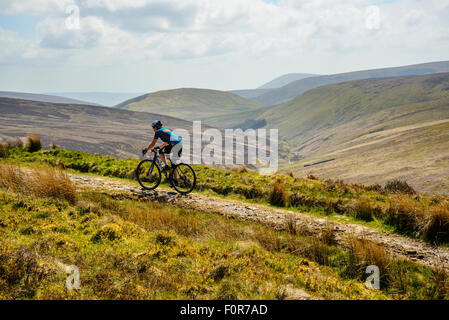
[150,45]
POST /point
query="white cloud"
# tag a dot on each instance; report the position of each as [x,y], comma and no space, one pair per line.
[34,6]
[289,35]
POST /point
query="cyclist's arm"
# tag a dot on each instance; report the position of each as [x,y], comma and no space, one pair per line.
[164,145]
[152,144]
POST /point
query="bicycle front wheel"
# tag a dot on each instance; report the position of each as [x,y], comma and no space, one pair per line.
[183,178]
[148,174]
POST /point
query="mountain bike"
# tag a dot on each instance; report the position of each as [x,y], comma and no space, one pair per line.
[181,176]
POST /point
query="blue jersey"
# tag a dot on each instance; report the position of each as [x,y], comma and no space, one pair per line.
[167,136]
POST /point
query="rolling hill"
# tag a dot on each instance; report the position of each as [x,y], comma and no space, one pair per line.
[107,99]
[286,79]
[189,104]
[369,126]
[42,97]
[250,93]
[102,130]
[294,89]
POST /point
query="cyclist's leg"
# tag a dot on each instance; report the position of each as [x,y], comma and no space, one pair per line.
[175,173]
[163,151]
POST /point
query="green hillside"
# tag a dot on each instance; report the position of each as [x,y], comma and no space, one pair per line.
[103,130]
[189,104]
[362,114]
[294,89]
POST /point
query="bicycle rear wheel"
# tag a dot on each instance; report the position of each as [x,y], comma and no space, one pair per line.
[183,178]
[148,174]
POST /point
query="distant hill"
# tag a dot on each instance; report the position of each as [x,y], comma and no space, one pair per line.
[286,79]
[92,129]
[377,129]
[42,97]
[107,99]
[189,104]
[250,93]
[294,89]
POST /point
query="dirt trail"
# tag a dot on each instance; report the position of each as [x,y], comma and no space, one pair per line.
[396,245]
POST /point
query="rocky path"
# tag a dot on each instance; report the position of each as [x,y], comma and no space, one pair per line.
[396,245]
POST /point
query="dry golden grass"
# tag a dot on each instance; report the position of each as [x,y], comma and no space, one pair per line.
[34,143]
[364,209]
[404,213]
[4,153]
[364,253]
[435,226]
[46,182]
[278,195]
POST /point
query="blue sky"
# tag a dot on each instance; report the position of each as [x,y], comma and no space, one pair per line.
[148,45]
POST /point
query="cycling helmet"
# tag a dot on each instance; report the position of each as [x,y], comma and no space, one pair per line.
[157,124]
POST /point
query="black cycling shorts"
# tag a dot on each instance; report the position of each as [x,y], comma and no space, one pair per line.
[167,150]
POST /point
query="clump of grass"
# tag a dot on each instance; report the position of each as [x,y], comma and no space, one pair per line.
[12,178]
[439,288]
[290,174]
[404,214]
[399,186]
[435,226]
[278,195]
[363,253]
[4,152]
[46,182]
[365,210]
[34,143]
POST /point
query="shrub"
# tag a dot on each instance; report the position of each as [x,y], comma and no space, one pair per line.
[399,186]
[34,143]
[4,153]
[278,195]
[109,232]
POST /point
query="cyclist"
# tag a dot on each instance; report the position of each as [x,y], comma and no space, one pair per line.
[169,140]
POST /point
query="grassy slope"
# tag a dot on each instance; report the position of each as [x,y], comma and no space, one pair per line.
[142,250]
[101,130]
[324,198]
[294,89]
[322,122]
[190,104]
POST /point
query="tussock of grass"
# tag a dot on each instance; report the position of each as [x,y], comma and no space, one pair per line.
[4,153]
[48,182]
[399,186]
[34,143]
[435,226]
[278,195]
